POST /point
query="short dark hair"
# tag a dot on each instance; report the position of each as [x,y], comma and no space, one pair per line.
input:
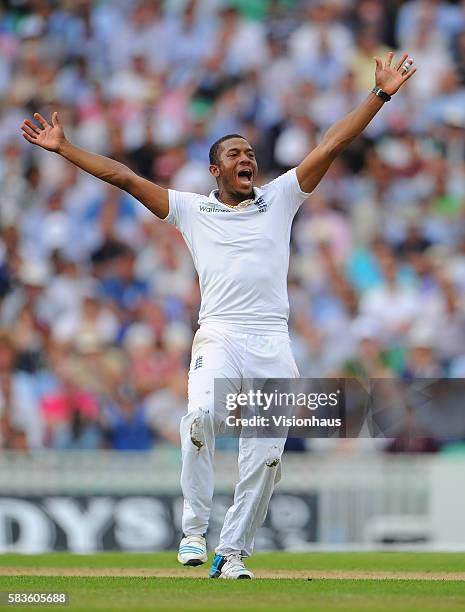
[215,148]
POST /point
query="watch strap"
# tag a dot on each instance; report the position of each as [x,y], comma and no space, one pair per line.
[385,97]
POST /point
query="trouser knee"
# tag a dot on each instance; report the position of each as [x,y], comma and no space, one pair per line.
[197,429]
[273,455]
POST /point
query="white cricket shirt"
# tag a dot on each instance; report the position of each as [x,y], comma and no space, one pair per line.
[241,254]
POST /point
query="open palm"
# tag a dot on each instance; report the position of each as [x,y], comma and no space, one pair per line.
[47,136]
[390,79]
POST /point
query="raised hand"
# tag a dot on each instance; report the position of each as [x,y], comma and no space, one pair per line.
[50,137]
[391,79]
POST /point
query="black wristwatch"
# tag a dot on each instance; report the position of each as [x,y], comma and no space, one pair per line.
[385,97]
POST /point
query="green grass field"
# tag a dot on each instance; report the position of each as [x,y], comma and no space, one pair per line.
[338,581]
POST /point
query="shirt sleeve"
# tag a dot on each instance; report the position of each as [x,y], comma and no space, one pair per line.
[288,188]
[181,210]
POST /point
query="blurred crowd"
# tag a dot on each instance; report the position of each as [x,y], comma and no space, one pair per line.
[99,300]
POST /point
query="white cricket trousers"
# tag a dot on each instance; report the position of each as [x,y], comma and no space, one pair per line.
[219,352]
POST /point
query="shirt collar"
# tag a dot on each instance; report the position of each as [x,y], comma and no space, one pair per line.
[244,204]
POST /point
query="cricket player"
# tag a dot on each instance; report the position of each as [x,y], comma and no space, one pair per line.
[239,240]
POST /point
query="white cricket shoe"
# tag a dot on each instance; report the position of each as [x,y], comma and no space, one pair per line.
[231,567]
[193,550]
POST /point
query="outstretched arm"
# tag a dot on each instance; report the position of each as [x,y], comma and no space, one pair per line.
[341,134]
[52,138]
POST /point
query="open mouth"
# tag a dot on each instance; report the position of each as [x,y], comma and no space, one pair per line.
[245,177]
